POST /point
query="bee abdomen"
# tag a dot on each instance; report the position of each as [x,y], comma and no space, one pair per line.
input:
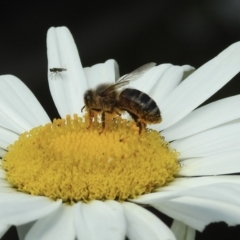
[140,104]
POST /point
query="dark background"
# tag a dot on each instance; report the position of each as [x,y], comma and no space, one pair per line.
[133,33]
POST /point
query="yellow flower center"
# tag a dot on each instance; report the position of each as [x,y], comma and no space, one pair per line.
[65,160]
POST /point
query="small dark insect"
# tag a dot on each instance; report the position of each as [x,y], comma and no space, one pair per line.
[106,98]
[55,71]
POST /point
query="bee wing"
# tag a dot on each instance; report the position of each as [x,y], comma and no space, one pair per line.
[113,88]
[124,80]
[136,73]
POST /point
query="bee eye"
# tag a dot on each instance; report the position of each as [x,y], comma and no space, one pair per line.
[88,98]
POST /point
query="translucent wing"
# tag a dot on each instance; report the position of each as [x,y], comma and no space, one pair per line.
[137,72]
[124,80]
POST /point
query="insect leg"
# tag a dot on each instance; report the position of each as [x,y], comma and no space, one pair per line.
[136,119]
[140,127]
[90,118]
[144,125]
[103,122]
[119,114]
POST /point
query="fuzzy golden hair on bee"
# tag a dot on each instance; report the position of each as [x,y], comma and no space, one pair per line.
[108,98]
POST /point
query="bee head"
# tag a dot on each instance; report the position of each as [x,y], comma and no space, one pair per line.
[88,98]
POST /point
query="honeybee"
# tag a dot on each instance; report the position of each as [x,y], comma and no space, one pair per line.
[56,71]
[107,99]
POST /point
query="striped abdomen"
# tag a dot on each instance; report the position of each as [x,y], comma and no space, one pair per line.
[140,106]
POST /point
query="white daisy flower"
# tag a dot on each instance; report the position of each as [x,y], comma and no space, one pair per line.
[62,181]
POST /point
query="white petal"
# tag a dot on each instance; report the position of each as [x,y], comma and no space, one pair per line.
[143,225]
[216,140]
[17,208]
[203,118]
[2,152]
[7,137]
[8,120]
[171,210]
[68,88]
[7,189]
[199,212]
[200,85]
[230,123]
[181,186]
[3,229]
[182,231]
[188,70]
[22,230]
[222,192]
[57,225]
[99,220]
[19,105]
[107,72]
[2,174]
[167,82]
[80,224]
[157,196]
[3,144]
[201,205]
[220,163]
[4,183]
[148,80]
[159,81]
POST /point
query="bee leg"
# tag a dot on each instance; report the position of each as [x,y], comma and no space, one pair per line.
[119,114]
[90,118]
[139,125]
[103,122]
[137,120]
